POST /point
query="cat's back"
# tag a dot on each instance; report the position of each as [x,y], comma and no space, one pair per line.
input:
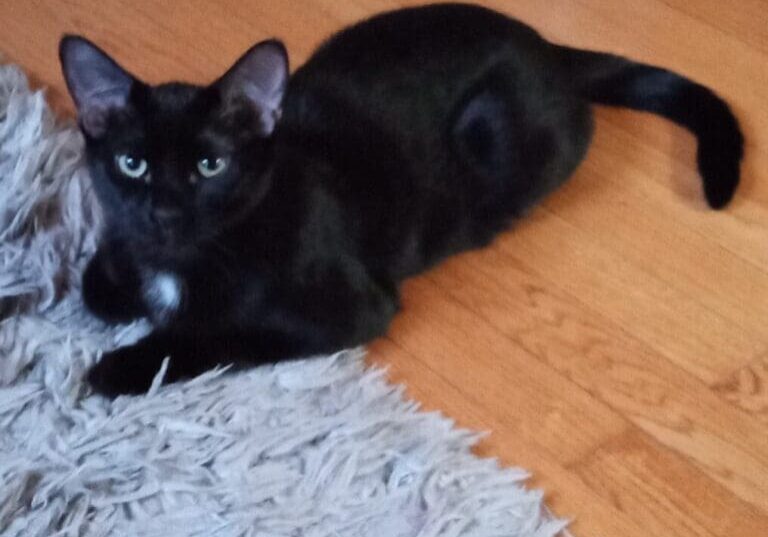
[375,104]
[395,80]
[444,35]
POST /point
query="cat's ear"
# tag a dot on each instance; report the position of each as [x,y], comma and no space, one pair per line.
[260,77]
[98,85]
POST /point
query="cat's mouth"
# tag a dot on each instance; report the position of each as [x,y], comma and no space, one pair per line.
[169,243]
[170,236]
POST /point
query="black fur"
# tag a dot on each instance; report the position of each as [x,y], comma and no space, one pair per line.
[404,139]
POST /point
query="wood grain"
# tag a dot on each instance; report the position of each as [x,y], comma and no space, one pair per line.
[665,494]
[747,388]
[616,341]
[612,366]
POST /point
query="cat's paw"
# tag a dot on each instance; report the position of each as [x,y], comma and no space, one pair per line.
[127,370]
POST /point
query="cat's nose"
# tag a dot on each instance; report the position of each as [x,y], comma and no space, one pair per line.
[166,216]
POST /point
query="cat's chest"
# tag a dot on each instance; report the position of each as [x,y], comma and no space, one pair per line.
[163,293]
[172,297]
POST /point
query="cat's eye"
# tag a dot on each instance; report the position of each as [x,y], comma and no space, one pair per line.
[211,166]
[131,166]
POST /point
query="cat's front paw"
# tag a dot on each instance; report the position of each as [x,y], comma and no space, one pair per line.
[127,370]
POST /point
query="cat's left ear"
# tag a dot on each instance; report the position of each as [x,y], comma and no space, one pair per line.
[260,77]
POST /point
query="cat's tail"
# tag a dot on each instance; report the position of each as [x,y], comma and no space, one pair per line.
[612,80]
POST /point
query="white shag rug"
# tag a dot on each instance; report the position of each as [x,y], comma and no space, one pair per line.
[318,448]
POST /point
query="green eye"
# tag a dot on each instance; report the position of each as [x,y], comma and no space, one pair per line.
[131,166]
[211,166]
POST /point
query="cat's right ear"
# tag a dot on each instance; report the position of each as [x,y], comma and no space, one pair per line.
[259,78]
[98,85]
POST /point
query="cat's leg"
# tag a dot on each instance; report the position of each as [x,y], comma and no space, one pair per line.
[111,289]
[518,146]
[344,309]
[130,369]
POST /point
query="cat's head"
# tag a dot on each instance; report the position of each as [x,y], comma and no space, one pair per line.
[175,164]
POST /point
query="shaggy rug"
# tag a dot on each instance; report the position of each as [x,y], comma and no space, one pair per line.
[321,447]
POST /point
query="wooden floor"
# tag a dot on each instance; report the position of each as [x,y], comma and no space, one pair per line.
[616,342]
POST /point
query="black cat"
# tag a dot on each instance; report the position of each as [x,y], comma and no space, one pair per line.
[264,217]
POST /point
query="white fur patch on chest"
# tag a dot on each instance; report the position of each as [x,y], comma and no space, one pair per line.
[162,293]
